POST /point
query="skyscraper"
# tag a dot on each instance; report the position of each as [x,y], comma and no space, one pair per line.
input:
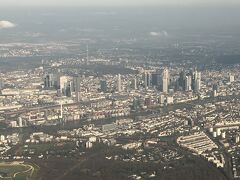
[77,82]
[119,83]
[147,79]
[181,80]
[77,87]
[156,79]
[197,81]
[165,80]
[62,81]
[48,81]
[188,83]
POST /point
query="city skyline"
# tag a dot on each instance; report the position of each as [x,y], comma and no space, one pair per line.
[120,89]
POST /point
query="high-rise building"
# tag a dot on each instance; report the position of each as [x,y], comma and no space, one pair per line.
[165,80]
[62,82]
[147,79]
[103,85]
[119,83]
[48,81]
[188,83]
[156,79]
[77,88]
[181,81]
[197,81]
[77,82]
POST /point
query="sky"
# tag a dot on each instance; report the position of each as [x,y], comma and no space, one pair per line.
[115,2]
[167,20]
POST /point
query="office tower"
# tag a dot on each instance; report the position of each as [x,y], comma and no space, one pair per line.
[119,83]
[197,81]
[156,79]
[62,81]
[77,82]
[51,80]
[48,81]
[188,83]
[165,80]
[147,80]
[103,86]
[77,87]
[181,81]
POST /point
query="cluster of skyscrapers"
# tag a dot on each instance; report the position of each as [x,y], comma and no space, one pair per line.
[190,81]
[64,84]
[148,79]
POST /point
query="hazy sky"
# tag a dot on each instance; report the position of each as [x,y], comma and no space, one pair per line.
[114,2]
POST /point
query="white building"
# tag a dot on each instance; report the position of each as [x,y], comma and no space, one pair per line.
[89,145]
[2,138]
[188,83]
[62,82]
[13,123]
[231,78]
[165,80]
[169,100]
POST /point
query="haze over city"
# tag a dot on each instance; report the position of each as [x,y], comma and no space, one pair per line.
[119,89]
